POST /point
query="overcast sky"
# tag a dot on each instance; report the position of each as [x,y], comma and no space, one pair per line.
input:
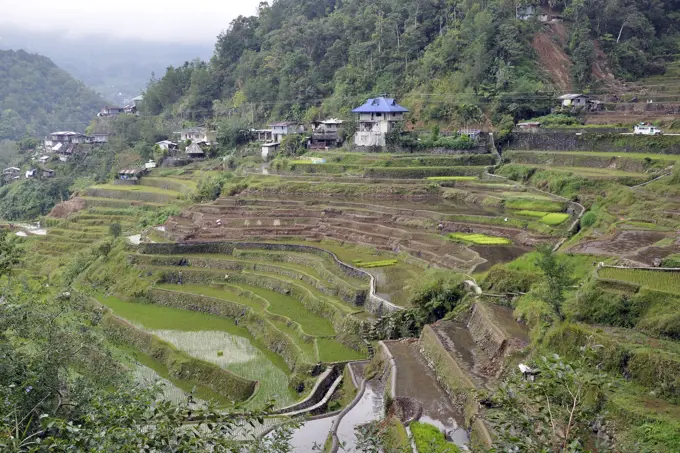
[162,20]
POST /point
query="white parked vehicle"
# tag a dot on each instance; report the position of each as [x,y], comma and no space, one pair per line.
[646,129]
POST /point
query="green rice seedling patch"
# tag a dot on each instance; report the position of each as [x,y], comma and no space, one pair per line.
[332,351]
[429,439]
[452,178]
[533,204]
[554,218]
[205,336]
[532,213]
[479,239]
[668,282]
[371,264]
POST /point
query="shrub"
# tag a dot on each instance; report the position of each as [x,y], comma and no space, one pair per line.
[429,439]
[502,279]
[115,229]
[588,219]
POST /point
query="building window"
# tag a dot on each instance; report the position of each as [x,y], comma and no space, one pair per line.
[378,114]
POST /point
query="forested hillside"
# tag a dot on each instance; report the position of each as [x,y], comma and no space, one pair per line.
[452,62]
[37,97]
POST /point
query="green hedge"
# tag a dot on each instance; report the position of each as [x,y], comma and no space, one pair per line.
[179,364]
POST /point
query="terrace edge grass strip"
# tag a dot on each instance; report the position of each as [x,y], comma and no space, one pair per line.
[179,364]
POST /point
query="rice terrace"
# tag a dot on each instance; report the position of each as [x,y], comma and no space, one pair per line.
[249,258]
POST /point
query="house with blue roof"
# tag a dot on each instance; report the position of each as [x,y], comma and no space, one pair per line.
[376,118]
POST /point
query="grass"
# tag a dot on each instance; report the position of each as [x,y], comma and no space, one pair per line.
[371,264]
[332,351]
[668,282]
[429,439]
[173,324]
[451,178]
[533,204]
[479,239]
[620,154]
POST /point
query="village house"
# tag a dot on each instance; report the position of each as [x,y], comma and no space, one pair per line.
[47,173]
[44,159]
[195,134]
[150,164]
[283,128]
[167,145]
[111,111]
[261,135]
[11,171]
[325,134]
[528,125]
[99,138]
[11,174]
[56,140]
[573,100]
[31,173]
[131,174]
[269,149]
[194,151]
[376,118]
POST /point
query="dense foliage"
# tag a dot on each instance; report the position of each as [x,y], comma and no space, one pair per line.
[300,59]
[36,97]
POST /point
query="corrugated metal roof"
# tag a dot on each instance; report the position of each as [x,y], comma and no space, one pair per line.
[570,96]
[380,105]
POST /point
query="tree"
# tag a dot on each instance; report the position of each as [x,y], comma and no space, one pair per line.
[554,412]
[557,277]
[9,253]
[115,229]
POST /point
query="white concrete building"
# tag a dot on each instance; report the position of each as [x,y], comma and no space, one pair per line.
[376,118]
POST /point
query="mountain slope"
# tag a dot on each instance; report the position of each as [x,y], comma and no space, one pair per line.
[37,97]
[452,62]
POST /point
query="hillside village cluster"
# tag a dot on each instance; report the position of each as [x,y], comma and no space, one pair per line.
[375,119]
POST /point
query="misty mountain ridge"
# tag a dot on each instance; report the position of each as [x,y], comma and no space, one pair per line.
[117,68]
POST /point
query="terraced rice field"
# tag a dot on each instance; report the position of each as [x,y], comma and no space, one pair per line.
[291,296]
[213,339]
[383,227]
[657,280]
